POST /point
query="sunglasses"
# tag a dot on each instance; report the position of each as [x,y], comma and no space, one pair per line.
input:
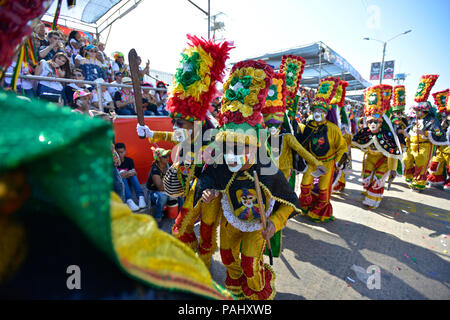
[372,121]
[178,122]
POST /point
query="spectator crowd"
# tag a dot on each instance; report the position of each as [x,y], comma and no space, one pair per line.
[72,56]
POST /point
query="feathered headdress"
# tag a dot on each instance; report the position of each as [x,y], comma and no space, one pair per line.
[399,99]
[325,93]
[293,67]
[244,96]
[202,65]
[275,104]
[440,99]
[423,92]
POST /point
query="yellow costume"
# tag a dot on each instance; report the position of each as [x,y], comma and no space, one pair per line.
[201,68]
[439,172]
[424,134]
[324,140]
[241,242]
[380,144]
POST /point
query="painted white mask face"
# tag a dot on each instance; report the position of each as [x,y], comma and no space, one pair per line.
[273,131]
[235,162]
[318,116]
[180,133]
[373,126]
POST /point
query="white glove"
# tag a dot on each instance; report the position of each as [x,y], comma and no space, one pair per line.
[144,131]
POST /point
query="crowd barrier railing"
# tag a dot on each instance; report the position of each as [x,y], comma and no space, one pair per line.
[98,85]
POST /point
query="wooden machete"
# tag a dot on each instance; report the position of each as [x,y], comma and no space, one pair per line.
[134,68]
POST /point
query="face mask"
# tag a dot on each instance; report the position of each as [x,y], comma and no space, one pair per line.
[239,160]
[181,134]
[318,116]
[273,131]
[373,126]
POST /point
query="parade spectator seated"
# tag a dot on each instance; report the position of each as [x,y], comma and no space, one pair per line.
[57,67]
[55,45]
[73,47]
[124,99]
[128,174]
[82,102]
[161,97]
[149,102]
[107,101]
[23,86]
[155,179]
[118,76]
[91,66]
[69,89]
[119,64]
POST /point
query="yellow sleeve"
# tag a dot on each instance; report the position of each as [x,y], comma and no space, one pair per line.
[297,147]
[280,217]
[161,136]
[339,142]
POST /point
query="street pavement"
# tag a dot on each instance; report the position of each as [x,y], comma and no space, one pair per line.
[399,250]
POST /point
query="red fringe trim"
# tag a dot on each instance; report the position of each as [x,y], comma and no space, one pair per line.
[189,107]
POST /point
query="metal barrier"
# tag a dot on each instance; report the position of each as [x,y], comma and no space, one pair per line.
[98,85]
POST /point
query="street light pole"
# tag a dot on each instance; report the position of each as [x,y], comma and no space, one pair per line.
[382,63]
[384,51]
[208,13]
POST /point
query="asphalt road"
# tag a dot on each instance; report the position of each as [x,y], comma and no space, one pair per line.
[399,249]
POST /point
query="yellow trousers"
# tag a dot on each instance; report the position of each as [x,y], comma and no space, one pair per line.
[374,173]
[439,165]
[417,159]
[319,208]
[242,254]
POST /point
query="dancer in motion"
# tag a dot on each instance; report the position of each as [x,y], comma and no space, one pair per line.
[380,144]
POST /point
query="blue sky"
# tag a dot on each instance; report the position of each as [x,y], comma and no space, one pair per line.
[157,30]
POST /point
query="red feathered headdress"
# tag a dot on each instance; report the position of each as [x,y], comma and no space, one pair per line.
[194,87]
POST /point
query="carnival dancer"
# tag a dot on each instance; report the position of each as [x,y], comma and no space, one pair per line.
[202,66]
[242,235]
[424,133]
[380,144]
[324,140]
[282,143]
[399,121]
[439,172]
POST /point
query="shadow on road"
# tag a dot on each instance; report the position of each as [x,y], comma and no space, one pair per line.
[402,210]
[326,254]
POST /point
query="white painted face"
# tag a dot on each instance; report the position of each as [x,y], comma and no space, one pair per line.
[319,115]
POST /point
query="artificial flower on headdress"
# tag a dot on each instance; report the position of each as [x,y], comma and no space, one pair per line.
[423,92]
[293,66]
[440,99]
[244,96]
[373,101]
[339,96]
[325,93]
[275,104]
[386,96]
[399,100]
[202,65]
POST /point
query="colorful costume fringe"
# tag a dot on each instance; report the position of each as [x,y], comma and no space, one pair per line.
[381,147]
